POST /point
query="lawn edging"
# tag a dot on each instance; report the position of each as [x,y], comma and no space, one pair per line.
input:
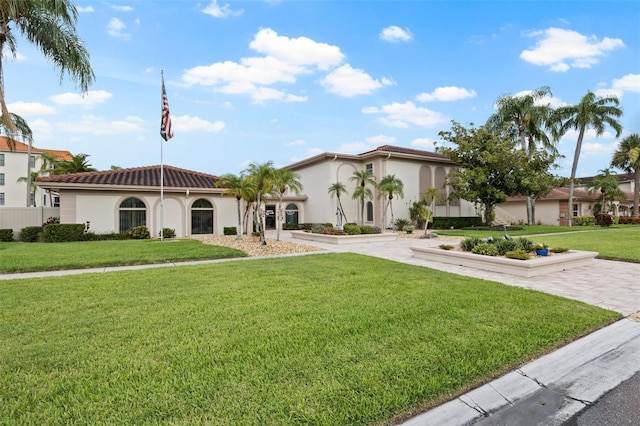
[540,265]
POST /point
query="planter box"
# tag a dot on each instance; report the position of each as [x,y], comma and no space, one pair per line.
[535,266]
[343,239]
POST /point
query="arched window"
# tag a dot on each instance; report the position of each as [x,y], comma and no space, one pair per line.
[201,217]
[133,212]
[369,211]
[291,213]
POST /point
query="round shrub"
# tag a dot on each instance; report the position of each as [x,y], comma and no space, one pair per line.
[366,229]
[6,235]
[30,234]
[139,233]
[168,233]
[352,229]
[504,246]
[524,244]
[469,243]
[485,249]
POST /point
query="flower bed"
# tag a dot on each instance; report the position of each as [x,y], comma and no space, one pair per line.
[535,266]
[343,239]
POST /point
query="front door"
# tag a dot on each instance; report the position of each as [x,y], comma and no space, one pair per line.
[270,217]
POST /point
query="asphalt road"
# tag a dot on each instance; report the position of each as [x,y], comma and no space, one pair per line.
[619,407]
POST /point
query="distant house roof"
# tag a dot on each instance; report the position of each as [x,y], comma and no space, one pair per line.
[23,147]
[149,177]
[384,151]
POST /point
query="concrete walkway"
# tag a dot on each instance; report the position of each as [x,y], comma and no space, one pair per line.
[547,391]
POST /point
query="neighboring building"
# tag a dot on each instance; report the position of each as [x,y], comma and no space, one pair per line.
[116,200]
[13,166]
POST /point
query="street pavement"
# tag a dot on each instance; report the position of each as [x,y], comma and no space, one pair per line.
[563,387]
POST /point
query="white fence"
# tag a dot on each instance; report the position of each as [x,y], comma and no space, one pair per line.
[17,218]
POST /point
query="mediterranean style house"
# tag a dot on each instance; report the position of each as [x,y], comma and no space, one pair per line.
[14,164]
[116,200]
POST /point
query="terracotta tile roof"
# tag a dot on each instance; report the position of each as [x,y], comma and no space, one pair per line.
[403,150]
[142,176]
[23,147]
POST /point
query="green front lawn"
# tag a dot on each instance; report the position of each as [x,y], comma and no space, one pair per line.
[328,339]
[29,257]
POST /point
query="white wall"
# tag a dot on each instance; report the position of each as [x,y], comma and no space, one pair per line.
[15,167]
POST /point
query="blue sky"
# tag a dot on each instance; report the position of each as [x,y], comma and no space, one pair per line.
[285,80]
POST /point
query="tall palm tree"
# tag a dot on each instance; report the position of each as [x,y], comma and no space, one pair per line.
[627,158]
[607,183]
[362,178]
[237,187]
[284,180]
[50,25]
[592,111]
[262,173]
[32,187]
[389,186]
[338,189]
[79,163]
[20,129]
[530,119]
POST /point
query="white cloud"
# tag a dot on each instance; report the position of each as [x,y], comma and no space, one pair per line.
[381,139]
[552,101]
[406,115]
[121,8]
[87,9]
[99,126]
[394,34]
[89,99]
[423,142]
[187,123]
[115,28]
[263,94]
[347,81]
[30,109]
[223,11]
[628,83]
[445,94]
[297,142]
[561,49]
[296,51]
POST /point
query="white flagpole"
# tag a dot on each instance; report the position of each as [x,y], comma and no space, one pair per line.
[161,165]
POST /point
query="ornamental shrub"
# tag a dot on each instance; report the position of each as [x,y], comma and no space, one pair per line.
[485,249]
[604,220]
[6,235]
[504,245]
[469,243]
[366,229]
[524,244]
[401,223]
[517,254]
[229,230]
[583,221]
[139,233]
[30,234]
[352,229]
[63,232]
[168,233]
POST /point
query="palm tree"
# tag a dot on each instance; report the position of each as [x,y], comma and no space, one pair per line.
[388,187]
[607,183]
[32,187]
[20,128]
[285,180]
[338,189]
[50,26]
[79,163]
[530,121]
[236,186]
[431,195]
[362,178]
[592,111]
[627,158]
[263,177]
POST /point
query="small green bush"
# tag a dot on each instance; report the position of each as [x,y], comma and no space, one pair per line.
[584,221]
[524,244]
[291,226]
[559,249]
[504,245]
[139,233]
[366,229]
[111,236]
[485,249]
[332,231]
[6,235]
[446,246]
[63,232]
[401,223]
[318,228]
[352,229]
[30,234]
[456,222]
[230,230]
[469,243]
[517,254]
[168,233]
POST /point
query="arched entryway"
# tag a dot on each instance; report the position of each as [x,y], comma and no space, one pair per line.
[201,217]
[291,214]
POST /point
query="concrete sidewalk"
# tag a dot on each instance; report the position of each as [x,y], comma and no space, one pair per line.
[547,391]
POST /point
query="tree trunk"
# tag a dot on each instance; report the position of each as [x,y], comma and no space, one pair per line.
[342,210]
[239,230]
[391,209]
[279,218]
[574,168]
[488,211]
[533,211]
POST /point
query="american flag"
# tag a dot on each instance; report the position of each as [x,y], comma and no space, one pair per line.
[165,122]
